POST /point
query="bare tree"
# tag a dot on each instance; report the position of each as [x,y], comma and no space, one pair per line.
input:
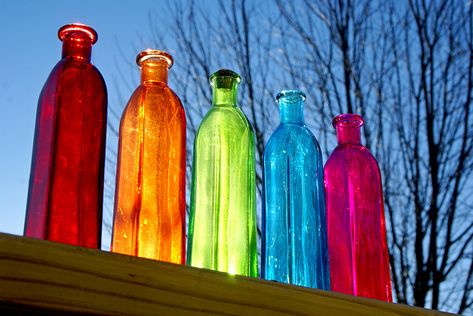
[408,70]
[336,52]
[406,67]
[205,44]
[433,97]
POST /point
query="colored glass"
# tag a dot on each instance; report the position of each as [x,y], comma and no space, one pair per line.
[294,239]
[66,181]
[150,205]
[222,227]
[359,262]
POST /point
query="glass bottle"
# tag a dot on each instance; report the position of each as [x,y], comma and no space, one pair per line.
[294,237]
[66,181]
[150,205]
[222,227]
[359,262]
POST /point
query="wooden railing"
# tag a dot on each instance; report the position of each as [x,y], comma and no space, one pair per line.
[41,277]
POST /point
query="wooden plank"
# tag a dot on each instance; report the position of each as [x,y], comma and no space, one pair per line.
[56,278]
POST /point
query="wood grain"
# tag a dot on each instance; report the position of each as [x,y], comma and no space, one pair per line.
[53,278]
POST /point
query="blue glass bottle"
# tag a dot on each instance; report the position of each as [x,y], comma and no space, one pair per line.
[294,240]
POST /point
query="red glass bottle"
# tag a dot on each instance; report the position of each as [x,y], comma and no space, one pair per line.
[358,253]
[66,180]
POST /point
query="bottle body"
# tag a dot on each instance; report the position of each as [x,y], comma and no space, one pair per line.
[294,237]
[359,262]
[222,226]
[66,181]
[149,214]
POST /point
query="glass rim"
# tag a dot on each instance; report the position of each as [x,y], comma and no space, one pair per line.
[293,95]
[77,27]
[154,53]
[353,119]
[225,73]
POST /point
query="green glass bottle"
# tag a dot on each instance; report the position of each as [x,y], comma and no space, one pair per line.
[222,225]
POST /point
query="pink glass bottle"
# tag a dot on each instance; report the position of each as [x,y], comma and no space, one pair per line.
[358,253]
[66,179]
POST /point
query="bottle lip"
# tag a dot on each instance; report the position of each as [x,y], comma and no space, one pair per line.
[154,53]
[77,27]
[291,96]
[225,73]
[349,119]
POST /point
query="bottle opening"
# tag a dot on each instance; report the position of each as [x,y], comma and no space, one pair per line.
[79,28]
[291,96]
[224,85]
[348,120]
[228,74]
[154,54]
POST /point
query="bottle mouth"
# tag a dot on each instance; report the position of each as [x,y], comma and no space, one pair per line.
[291,96]
[225,73]
[156,54]
[77,28]
[348,120]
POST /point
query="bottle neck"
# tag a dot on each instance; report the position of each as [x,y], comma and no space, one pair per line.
[291,112]
[348,135]
[154,70]
[224,91]
[291,106]
[78,47]
[348,128]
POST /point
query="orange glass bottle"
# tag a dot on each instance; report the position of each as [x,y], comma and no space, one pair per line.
[150,206]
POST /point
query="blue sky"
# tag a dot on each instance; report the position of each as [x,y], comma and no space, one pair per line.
[30,49]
